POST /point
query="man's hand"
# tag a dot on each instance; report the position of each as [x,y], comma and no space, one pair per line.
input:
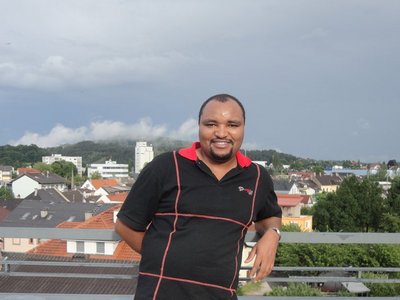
[264,253]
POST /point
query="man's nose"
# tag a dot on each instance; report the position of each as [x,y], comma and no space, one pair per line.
[221,131]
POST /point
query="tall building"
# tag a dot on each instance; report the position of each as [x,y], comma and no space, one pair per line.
[110,169]
[143,155]
[76,160]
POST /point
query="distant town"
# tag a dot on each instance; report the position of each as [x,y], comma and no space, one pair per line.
[61,192]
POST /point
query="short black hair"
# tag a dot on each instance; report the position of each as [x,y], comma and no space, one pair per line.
[222,98]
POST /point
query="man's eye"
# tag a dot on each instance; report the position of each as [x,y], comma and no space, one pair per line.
[233,125]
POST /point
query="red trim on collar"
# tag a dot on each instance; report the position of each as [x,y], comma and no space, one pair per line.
[190,153]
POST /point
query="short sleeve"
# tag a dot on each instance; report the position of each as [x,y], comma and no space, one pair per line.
[143,199]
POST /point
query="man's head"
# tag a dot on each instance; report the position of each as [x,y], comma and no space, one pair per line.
[221,128]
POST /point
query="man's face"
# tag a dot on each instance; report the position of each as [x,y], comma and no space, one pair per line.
[221,130]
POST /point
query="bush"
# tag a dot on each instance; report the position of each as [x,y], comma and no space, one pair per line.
[295,289]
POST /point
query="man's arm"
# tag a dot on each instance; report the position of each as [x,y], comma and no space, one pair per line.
[132,237]
[265,250]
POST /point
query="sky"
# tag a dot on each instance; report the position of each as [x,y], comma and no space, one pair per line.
[318,79]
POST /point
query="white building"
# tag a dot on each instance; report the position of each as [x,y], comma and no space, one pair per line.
[27,183]
[110,169]
[76,160]
[143,155]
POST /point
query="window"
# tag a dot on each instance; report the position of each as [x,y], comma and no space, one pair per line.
[100,247]
[80,247]
[16,241]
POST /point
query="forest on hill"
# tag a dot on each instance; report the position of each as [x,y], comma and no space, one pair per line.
[123,151]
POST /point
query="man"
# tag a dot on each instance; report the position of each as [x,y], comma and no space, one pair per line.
[189,211]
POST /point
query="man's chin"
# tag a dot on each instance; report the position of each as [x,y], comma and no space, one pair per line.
[221,157]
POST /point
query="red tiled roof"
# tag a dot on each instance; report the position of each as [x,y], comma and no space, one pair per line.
[101,221]
[120,197]
[98,183]
[286,200]
[27,171]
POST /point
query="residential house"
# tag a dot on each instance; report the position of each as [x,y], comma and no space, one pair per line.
[283,186]
[291,211]
[6,173]
[327,183]
[45,214]
[6,207]
[95,184]
[109,250]
[26,184]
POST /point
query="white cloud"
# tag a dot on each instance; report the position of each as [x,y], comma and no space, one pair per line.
[106,130]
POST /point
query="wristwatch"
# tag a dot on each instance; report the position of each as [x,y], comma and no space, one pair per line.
[278,232]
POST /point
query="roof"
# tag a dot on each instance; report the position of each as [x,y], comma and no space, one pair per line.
[328,179]
[282,185]
[286,200]
[46,214]
[50,195]
[49,178]
[74,196]
[104,220]
[6,168]
[120,197]
[98,183]
[67,285]
[27,170]
[6,206]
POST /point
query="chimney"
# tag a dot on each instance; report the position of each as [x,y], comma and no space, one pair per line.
[115,212]
[44,213]
[88,215]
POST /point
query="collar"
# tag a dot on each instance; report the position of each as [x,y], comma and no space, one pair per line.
[190,153]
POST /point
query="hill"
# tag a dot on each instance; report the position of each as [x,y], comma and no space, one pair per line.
[123,151]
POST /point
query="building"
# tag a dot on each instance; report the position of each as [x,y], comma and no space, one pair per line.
[76,160]
[45,214]
[143,155]
[26,184]
[6,174]
[110,169]
[291,211]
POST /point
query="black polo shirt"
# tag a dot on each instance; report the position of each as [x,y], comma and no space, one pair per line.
[195,224]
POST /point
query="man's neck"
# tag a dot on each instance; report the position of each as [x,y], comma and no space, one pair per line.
[219,169]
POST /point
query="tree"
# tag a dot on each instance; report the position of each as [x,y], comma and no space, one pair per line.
[42,167]
[95,175]
[393,197]
[295,289]
[64,168]
[291,228]
[354,207]
[6,193]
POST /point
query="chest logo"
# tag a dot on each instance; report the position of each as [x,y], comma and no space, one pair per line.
[247,190]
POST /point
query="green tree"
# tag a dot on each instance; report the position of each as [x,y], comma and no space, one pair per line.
[291,228]
[64,168]
[393,197]
[95,175]
[295,289]
[42,167]
[6,193]
[354,207]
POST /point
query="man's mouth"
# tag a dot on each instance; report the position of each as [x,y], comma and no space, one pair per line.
[221,143]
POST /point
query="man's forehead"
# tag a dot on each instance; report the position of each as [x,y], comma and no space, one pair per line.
[227,109]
